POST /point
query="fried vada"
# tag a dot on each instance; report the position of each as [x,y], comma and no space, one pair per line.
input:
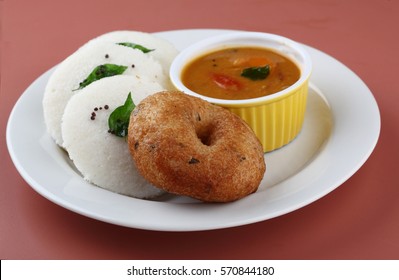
[188,146]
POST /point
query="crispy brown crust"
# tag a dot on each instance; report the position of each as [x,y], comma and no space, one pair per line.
[187,146]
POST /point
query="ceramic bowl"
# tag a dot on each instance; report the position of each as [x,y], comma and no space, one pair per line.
[277,118]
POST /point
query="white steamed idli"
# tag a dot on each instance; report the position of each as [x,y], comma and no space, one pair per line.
[163,51]
[65,80]
[103,158]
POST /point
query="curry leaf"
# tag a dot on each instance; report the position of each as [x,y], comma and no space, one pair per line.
[118,120]
[102,71]
[136,46]
[256,73]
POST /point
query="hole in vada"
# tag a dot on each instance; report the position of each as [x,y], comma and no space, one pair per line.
[205,135]
[205,139]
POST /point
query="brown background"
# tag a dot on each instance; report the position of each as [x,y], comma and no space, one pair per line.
[359,220]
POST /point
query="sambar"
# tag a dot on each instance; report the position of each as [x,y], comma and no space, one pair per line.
[240,73]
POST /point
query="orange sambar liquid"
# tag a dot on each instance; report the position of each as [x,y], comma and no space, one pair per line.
[218,74]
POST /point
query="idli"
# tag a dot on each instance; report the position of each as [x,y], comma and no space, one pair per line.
[68,77]
[160,49]
[103,158]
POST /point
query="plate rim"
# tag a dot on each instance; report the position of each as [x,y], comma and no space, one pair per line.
[255,218]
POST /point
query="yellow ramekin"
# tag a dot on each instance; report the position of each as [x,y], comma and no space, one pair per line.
[276,119]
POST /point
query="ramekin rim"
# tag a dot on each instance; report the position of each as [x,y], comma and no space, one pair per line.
[216,42]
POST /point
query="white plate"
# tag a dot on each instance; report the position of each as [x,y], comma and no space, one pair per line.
[341,129]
